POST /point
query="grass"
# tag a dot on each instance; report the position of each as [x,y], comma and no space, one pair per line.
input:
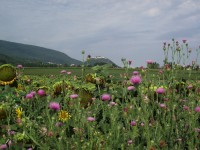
[40,71]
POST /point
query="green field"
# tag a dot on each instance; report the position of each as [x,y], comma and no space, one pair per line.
[186,74]
[109,109]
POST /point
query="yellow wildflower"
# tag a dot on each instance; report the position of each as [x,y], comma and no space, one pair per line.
[19,112]
[63,116]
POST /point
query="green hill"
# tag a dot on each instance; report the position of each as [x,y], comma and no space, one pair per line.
[30,56]
[99,60]
[17,53]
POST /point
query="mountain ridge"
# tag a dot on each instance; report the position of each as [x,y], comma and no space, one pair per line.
[31,55]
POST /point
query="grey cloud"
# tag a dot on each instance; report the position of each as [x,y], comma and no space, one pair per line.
[101,27]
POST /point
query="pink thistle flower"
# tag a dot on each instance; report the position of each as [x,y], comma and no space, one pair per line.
[28,80]
[50,134]
[161,71]
[142,124]
[136,80]
[125,109]
[112,103]
[149,61]
[130,88]
[63,71]
[130,142]
[135,73]
[41,92]
[133,123]
[162,105]
[68,72]
[197,130]
[54,106]
[185,107]
[19,121]
[197,109]
[105,97]
[33,93]
[90,119]
[3,147]
[166,99]
[160,90]
[184,41]
[11,132]
[19,66]
[129,62]
[190,87]
[74,96]
[59,124]
[29,96]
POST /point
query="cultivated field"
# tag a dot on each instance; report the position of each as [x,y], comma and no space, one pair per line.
[100,108]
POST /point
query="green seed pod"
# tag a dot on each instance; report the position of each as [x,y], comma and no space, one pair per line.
[2,112]
[7,74]
[86,97]
[59,87]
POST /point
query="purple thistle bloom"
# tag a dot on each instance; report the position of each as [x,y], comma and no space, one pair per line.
[197,130]
[133,123]
[105,97]
[136,80]
[63,71]
[149,61]
[185,107]
[29,96]
[69,72]
[135,73]
[161,71]
[59,124]
[160,90]
[74,96]
[54,106]
[190,87]
[162,105]
[19,66]
[184,41]
[142,124]
[3,147]
[130,88]
[130,142]
[197,109]
[90,119]
[11,132]
[33,93]
[41,92]
[112,103]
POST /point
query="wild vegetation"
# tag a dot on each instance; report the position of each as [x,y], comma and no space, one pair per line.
[103,108]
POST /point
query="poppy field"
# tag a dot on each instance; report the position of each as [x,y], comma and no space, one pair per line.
[97,110]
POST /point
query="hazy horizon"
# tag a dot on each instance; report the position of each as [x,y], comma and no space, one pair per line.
[131,29]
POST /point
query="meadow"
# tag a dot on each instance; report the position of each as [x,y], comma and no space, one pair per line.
[100,108]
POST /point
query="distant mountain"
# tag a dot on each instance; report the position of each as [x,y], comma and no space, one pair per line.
[17,53]
[99,60]
[30,55]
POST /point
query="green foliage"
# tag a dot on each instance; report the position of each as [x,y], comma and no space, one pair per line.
[167,120]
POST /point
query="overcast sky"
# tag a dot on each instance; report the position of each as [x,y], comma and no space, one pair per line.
[132,29]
